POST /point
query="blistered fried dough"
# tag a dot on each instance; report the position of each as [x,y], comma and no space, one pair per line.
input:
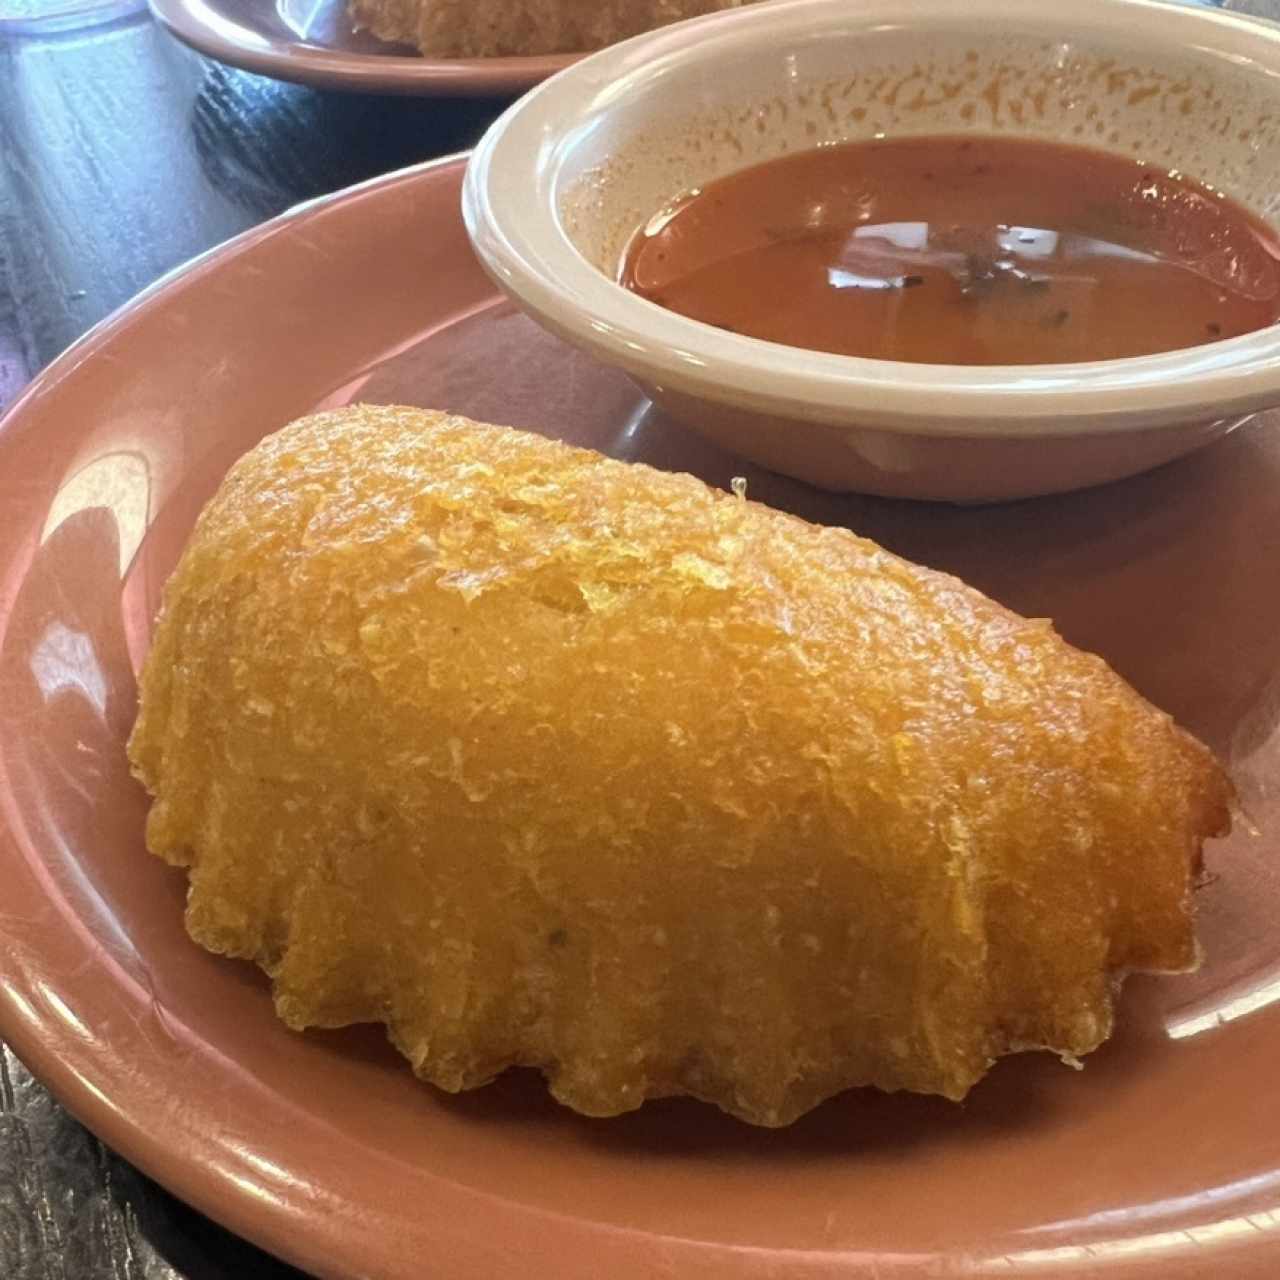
[489,28]
[543,758]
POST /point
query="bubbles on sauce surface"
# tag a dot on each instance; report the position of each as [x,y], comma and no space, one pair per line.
[962,251]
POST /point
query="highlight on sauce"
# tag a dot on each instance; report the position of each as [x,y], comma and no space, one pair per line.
[962,250]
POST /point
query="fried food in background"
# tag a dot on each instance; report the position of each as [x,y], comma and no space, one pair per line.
[495,28]
[546,759]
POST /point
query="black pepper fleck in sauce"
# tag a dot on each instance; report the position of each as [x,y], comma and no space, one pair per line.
[963,251]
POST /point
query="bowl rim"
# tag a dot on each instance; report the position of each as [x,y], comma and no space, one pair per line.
[523,246]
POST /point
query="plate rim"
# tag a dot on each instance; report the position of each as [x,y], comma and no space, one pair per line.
[203,27]
[87,344]
[463,1211]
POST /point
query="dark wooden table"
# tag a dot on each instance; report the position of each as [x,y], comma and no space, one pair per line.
[123,155]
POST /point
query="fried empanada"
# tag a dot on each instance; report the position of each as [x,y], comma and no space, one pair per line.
[541,758]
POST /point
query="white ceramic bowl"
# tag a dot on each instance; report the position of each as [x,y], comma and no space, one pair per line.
[562,181]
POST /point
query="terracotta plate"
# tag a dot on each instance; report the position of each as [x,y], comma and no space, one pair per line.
[313,42]
[1161,1159]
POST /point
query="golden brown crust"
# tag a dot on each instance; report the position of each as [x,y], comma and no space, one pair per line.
[542,758]
[495,28]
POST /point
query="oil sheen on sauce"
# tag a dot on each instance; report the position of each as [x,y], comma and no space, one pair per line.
[962,250]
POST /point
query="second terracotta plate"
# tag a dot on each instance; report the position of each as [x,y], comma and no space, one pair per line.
[313,42]
[1160,1160]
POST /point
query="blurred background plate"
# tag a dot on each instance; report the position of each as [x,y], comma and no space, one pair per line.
[313,42]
